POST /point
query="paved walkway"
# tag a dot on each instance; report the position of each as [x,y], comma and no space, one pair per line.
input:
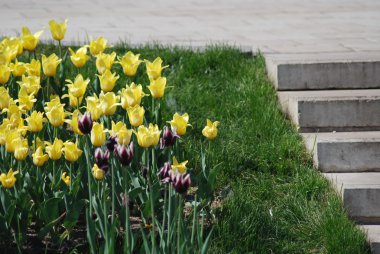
[274,26]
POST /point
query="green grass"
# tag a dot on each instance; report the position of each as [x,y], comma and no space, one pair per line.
[274,200]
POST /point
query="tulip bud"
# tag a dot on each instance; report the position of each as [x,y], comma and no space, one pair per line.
[169,137]
[181,183]
[110,143]
[101,159]
[85,123]
[165,173]
[125,153]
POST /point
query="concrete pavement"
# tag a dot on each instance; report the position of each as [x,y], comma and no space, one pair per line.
[273,26]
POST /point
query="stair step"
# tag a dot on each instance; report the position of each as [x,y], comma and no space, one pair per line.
[333,110]
[324,71]
[373,234]
[360,193]
[344,151]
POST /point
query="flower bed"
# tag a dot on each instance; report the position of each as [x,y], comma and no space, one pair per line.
[91,156]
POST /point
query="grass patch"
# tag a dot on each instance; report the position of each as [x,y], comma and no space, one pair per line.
[274,200]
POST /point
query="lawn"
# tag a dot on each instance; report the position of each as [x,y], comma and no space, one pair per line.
[268,197]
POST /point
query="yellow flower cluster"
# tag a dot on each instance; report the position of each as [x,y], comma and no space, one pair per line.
[33,86]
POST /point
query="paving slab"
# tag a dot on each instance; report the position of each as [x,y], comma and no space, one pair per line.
[321,71]
[360,193]
[333,110]
[344,151]
[373,234]
[272,26]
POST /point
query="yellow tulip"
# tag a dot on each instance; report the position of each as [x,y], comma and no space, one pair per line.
[8,180]
[80,57]
[54,150]
[18,68]
[71,151]
[17,42]
[38,143]
[210,131]
[39,158]
[25,100]
[29,40]
[49,64]
[55,112]
[34,68]
[180,122]
[74,122]
[104,62]
[14,44]
[93,106]
[31,83]
[21,148]
[98,136]
[5,73]
[136,115]
[179,168]
[108,80]
[157,87]
[97,172]
[121,132]
[131,95]
[58,30]
[155,68]
[10,136]
[3,131]
[108,103]
[4,98]
[78,87]
[148,137]
[66,179]
[130,62]
[98,46]
[35,121]
[73,101]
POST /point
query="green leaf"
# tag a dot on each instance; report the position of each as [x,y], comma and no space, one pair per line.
[90,226]
[73,213]
[206,243]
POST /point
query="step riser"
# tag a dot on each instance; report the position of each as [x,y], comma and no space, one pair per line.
[323,76]
[363,205]
[341,157]
[335,115]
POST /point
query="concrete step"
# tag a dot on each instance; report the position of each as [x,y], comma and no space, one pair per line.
[344,151]
[333,110]
[324,71]
[373,235]
[360,193]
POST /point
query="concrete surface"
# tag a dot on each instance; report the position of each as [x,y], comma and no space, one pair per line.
[273,26]
[344,151]
[333,110]
[373,233]
[361,194]
[324,71]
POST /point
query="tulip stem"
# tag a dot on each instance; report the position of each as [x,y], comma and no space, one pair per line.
[179,224]
[151,200]
[88,176]
[113,192]
[60,49]
[169,216]
[127,243]
[71,179]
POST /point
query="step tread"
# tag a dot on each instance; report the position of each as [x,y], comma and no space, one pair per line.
[350,94]
[367,180]
[332,137]
[373,236]
[345,57]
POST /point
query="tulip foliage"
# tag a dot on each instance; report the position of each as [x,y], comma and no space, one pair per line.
[93,152]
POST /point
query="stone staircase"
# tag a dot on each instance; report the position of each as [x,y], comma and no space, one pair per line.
[334,100]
